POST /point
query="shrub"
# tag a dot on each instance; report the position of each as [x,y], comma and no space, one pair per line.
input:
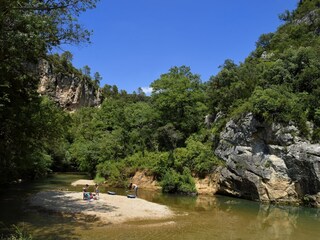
[98,179]
[113,172]
[197,156]
[18,234]
[276,104]
[174,182]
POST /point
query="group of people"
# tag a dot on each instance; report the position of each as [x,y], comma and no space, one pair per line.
[87,195]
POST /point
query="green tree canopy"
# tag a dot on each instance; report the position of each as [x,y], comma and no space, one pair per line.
[179,96]
[28,30]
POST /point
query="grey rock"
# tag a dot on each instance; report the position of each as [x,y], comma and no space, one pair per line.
[309,19]
[269,163]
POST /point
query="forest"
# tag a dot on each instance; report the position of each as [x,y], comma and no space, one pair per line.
[165,133]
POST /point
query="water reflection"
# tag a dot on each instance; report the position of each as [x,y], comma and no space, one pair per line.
[280,223]
[249,220]
[210,217]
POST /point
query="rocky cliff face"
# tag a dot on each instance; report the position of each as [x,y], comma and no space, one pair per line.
[268,163]
[68,90]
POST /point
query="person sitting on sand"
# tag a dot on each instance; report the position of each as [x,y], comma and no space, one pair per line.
[134,187]
[86,193]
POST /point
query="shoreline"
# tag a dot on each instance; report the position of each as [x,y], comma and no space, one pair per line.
[83,182]
[111,209]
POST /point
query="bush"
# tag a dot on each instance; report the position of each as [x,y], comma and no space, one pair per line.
[316,135]
[197,156]
[174,182]
[159,163]
[18,235]
[276,104]
[98,179]
[113,172]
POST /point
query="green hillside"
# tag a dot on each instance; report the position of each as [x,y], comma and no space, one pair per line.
[279,81]
[165,133]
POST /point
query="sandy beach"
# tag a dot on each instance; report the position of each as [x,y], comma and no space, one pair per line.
[108,208]
[83,182]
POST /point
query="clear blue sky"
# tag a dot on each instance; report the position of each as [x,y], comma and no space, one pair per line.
[134,41]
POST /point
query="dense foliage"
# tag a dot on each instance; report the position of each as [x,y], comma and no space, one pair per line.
[280,80]
[160,134]
[28,30]
[163,134]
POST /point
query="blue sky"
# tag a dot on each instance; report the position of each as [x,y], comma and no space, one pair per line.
[134,41]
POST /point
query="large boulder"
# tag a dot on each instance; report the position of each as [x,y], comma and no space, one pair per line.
[267,162]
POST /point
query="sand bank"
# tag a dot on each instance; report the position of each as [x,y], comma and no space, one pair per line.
[108,208]
[83,182]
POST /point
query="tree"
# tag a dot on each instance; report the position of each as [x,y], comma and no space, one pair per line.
[28,30]
[86,71]
[286,16]
[264,40]
[115,90]
[220,87]
[141,121]
[106,91]
[179,96]
[67,56]
[277,104]
[97,78]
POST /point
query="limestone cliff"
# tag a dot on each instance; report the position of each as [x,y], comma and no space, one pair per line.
[268,163]
[69,90]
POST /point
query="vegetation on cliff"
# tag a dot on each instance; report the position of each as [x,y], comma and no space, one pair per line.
[279,81]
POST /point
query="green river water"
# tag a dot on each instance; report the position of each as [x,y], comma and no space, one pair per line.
[202,217]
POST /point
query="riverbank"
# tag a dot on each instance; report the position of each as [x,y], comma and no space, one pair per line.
[109,209]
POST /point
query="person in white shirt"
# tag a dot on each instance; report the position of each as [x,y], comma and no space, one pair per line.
[134,187]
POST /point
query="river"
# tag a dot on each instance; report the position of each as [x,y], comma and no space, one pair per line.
[202,217]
